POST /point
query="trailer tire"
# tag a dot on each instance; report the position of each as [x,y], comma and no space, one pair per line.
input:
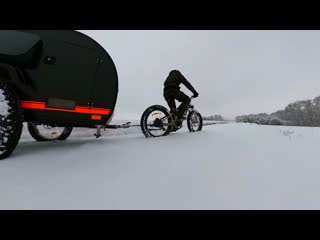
[39,137]
[11,119]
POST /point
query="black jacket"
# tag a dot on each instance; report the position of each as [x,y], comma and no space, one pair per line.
[174,80]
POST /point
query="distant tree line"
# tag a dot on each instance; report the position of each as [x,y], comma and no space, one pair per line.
[214,118]
[299,113]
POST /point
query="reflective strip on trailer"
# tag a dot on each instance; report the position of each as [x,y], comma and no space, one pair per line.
[78,109]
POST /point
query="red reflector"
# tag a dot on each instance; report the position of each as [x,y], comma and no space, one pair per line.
[96,117]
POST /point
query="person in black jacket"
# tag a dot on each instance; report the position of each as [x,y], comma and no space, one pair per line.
[171,92]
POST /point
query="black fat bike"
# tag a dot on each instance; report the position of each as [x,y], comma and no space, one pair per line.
[157,121]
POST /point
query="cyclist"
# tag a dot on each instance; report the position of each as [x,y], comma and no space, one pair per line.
[172,92]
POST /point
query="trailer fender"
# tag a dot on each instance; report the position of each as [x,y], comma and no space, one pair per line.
[10,74]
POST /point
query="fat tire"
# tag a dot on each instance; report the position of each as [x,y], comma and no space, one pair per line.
[34,132]
[189,121]
[144,117]
[10,126]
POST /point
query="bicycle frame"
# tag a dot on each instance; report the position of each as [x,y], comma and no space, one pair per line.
[175,118]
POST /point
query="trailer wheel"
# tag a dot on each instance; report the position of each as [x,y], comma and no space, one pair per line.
[44,133]
[11,120]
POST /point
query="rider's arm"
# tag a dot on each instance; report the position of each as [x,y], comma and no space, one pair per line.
[187,84]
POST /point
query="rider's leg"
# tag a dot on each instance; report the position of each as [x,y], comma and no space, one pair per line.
[185,101]
[172,104]
[170,96]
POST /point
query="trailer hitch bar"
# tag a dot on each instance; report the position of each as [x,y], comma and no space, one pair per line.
[126,125]
[99,128]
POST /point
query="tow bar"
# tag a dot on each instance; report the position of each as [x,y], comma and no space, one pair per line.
[126,125]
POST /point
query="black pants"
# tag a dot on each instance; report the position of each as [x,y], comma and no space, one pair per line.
[172,95]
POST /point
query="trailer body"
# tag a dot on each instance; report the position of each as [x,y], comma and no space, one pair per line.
[62,77]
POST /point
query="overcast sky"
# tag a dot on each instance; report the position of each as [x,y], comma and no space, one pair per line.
[235,72]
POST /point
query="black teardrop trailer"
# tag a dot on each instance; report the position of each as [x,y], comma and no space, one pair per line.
[53,79]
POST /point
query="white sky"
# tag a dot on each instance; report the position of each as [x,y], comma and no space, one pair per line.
[235,72]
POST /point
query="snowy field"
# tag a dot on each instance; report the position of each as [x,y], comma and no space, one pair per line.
[227,166]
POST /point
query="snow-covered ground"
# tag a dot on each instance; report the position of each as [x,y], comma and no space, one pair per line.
[227,166]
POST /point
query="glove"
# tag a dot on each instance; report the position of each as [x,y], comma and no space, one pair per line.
[195,95]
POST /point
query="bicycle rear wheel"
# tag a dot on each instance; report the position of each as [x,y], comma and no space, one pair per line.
[155,121]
